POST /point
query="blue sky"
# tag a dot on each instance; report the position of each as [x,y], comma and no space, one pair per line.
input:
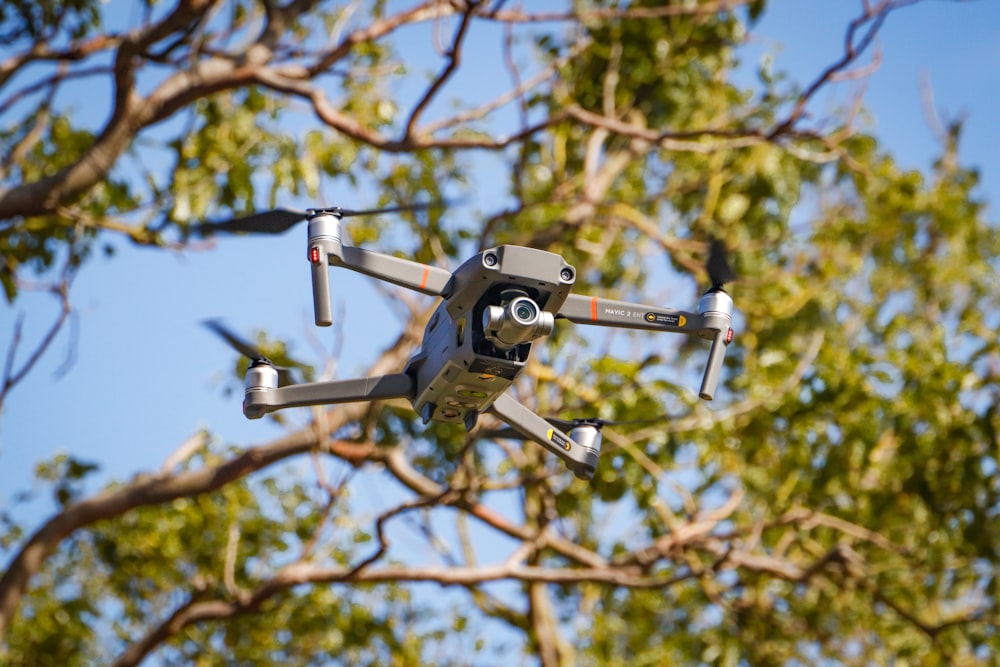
[146,375]
[953,46]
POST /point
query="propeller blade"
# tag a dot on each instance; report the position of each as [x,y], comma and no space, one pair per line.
[719,270]
[243,347]
[248,350]
[510,433]
[277,221]
[505,433]
[418,206]
[280,220]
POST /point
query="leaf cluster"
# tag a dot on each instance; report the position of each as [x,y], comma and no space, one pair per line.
[838,503]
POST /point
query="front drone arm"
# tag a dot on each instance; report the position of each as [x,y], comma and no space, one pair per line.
[713,321]
[580,459]
[403,272]
[263,394]
[611,313]
[326,249]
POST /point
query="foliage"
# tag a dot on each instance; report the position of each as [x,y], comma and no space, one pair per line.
[840,506]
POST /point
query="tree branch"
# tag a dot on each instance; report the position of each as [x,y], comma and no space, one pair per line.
[12,376]
[454,58]
[874,17]
[193,612]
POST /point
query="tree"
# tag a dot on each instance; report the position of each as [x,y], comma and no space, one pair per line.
[840,504]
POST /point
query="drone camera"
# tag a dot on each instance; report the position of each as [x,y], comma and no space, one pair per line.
[525,311]
[520,321]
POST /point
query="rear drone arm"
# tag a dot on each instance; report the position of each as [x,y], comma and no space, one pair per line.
[326,249]
[579,458]
[713,321]
[263,394]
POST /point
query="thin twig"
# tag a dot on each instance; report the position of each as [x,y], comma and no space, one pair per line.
[12,376]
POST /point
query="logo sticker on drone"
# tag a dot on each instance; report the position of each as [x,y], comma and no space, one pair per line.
[559,440]
[621,312]
[666,320]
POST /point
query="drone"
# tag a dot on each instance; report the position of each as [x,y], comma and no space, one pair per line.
[477,342]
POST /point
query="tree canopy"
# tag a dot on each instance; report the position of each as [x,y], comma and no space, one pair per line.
[838,501]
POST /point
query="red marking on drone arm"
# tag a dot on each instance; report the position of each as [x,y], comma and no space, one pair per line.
[423,280]
[593,308]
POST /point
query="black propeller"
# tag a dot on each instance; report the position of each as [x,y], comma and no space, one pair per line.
[280,220]
[252,352]
[567,425]
[719,270]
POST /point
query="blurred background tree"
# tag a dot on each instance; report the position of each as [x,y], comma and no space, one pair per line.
[840,503]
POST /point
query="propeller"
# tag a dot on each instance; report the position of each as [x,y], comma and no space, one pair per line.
[280,220]
[567,425]
[252,352]
[719,270]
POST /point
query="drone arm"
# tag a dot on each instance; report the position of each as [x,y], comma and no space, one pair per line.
[413,275]
[322,307]
[713,321]
[716,357]
[581,460]
[326,249]
[403,272]
[263,397]
[611,313]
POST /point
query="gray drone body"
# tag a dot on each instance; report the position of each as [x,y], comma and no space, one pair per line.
[478,340]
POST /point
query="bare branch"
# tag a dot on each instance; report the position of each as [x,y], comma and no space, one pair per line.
[873,17]
[144,491]
[12,376]
[703,419]
[665,11]
[194,612]
[454,59]
[130,114]
[627,572]
[42,51]
[184,451]
[691,141]
[160,488]
[229,565]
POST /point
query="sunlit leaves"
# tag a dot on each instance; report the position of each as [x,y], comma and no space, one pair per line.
[857,428]
[66,474]
[50,143]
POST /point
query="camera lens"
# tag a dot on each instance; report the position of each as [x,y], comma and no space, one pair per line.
[525,310]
